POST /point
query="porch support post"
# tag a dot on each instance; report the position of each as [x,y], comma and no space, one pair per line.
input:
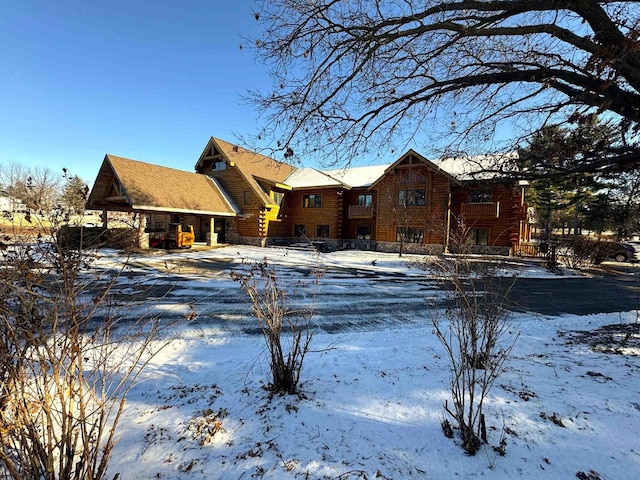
[447,231]
[143,237]
[212,236]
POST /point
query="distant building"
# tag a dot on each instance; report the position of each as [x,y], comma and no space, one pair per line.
[11,204]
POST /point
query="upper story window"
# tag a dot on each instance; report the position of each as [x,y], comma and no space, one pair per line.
[413,188]
[412,197]
[365,199]
[218,166]
[411,178]
[277,197]
[313,200]
[246,197]
[481,195]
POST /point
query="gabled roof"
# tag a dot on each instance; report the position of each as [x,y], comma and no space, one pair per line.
[422,160]
[124,184]
[251,165]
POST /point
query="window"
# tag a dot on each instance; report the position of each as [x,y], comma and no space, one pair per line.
[299,230]
[413,197]
[409,234]
[363,232]
[219,166]
[480,196]
[246,197]
[277,197]
[312,201]
[411,178]
[365,199]
[322,231]
[478,236]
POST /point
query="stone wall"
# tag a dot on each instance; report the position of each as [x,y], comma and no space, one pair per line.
[417,248]
[330,245]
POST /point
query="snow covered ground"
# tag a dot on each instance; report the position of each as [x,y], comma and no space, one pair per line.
[372,398]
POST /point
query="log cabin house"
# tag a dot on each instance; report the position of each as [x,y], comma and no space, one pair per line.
[238,196]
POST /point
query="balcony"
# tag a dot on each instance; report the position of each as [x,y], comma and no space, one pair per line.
[483,209]
[360,211]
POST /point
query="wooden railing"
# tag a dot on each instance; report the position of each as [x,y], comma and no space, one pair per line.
[527,250]
[360,211]
[484,209]
[539,250]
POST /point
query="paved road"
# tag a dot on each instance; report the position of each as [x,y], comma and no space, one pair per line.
[606,292]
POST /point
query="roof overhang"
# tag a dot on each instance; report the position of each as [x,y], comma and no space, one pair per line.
[146,208]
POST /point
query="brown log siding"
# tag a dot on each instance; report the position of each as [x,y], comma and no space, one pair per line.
[350,225]
[251,222]
[329,213]
[503,229]
[431,216]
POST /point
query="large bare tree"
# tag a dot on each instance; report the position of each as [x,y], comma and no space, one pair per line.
[37,187]
[352,76]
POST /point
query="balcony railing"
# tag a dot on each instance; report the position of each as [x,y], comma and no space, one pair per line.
[360,211]
[484,209]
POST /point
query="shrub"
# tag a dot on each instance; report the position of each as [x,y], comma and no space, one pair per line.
[66,362]
[271,304]
[475,333]
[580,252]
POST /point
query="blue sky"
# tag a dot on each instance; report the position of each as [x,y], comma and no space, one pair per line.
[148,80]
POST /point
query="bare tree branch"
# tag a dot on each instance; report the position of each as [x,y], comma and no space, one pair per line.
[355,76]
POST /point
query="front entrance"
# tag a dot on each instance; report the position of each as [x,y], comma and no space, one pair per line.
[220,228]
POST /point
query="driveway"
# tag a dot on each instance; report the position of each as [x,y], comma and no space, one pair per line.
[615,287]
[350,299]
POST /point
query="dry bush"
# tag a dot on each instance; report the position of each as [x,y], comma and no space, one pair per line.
[475,333]
[66,361]
[581,252]
[272,305]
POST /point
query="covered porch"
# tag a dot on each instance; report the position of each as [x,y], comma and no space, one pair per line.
[156,196]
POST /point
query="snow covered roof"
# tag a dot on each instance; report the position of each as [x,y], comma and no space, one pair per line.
[353,177]
[358,177]
[310,177]
[479,167]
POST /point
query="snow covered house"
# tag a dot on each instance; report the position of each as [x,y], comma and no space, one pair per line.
[238,196]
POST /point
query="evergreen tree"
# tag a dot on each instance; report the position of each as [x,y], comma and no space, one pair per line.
[562,195]
[74,195]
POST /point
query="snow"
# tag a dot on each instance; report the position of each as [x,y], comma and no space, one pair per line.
[372,398]
[353,177]
[477,167]
[359,177]
[310,177]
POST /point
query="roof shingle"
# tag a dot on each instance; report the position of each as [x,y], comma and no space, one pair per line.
[153,187]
